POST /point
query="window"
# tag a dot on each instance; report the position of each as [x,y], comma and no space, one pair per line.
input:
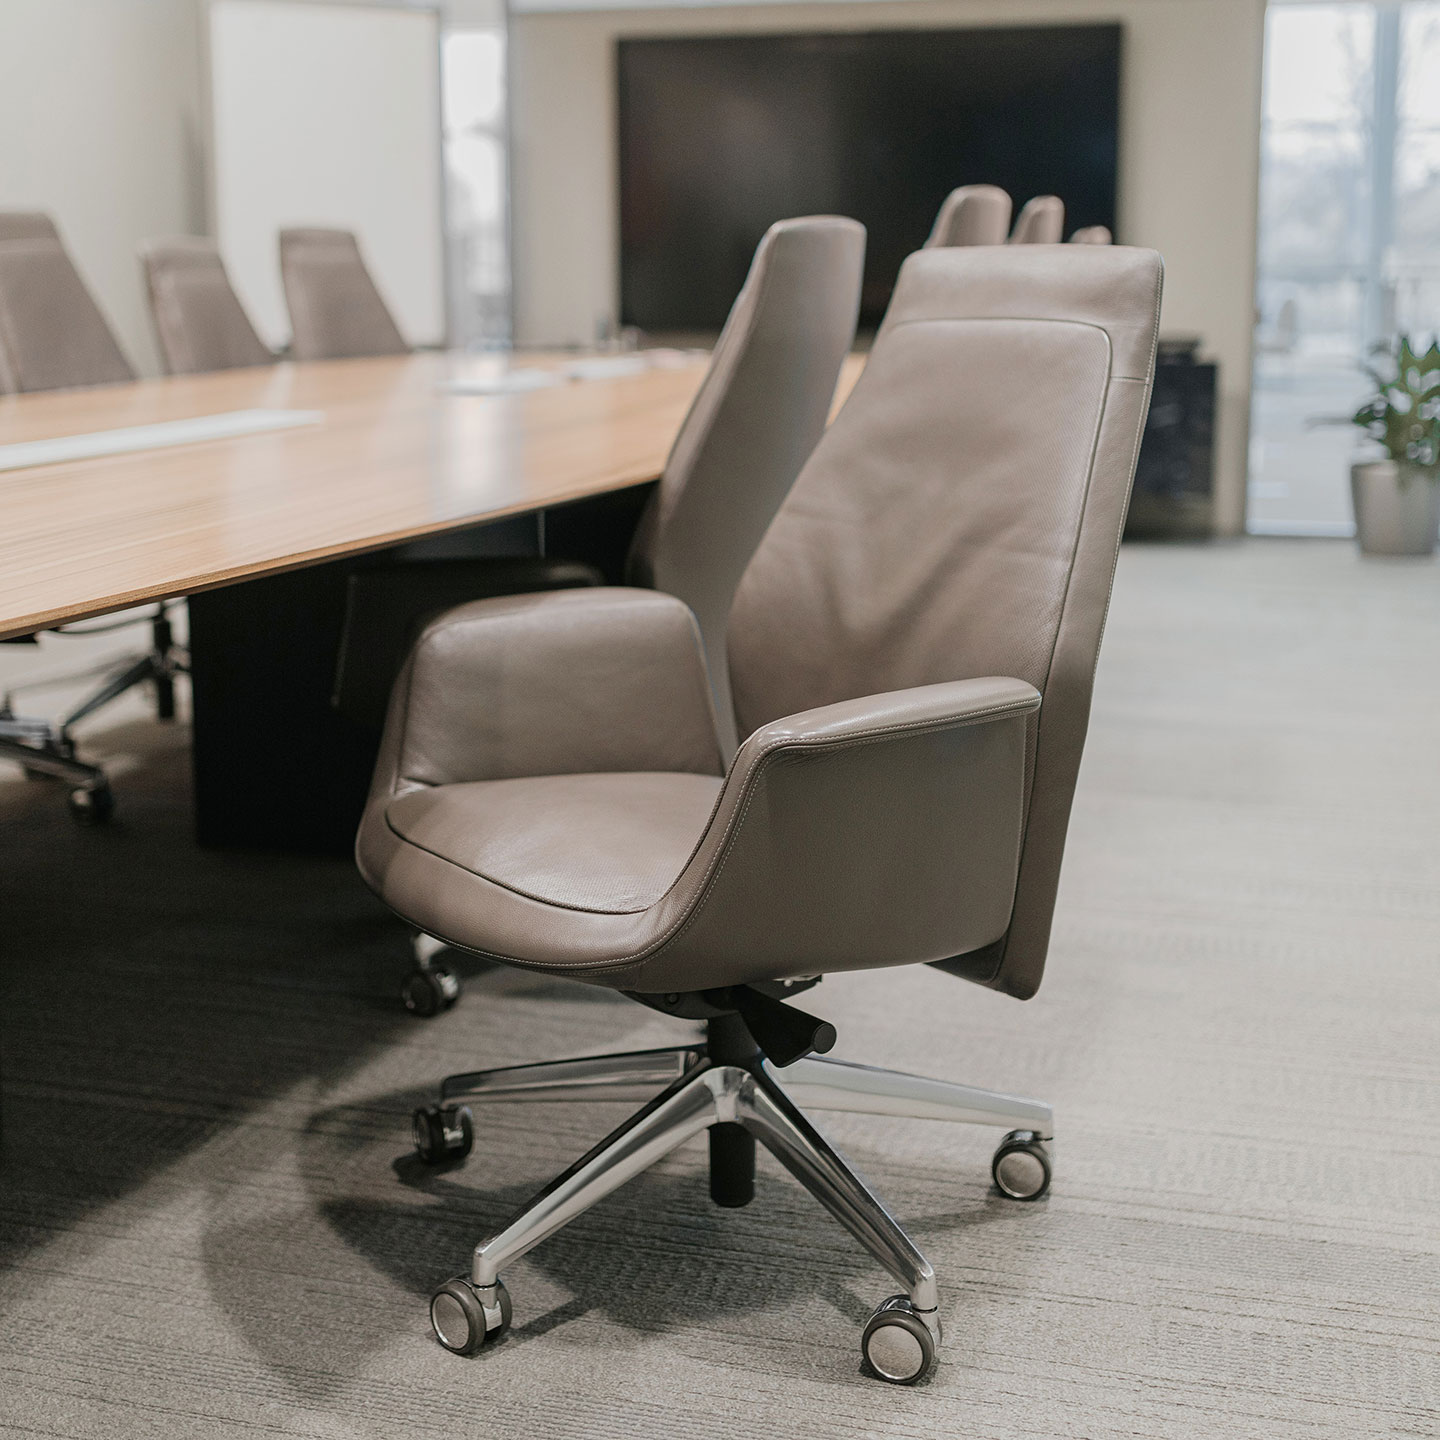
[473,101]
[1349,237]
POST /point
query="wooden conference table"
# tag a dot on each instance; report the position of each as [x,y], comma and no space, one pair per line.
[395,457]
[262,529]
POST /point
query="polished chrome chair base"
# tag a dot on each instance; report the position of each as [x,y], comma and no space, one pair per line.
[726,1086]
[42,749]
[45,747]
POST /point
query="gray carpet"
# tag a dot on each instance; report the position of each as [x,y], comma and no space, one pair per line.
[210,1226]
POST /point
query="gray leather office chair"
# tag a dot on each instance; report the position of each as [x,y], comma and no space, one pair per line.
[22,225]
[911,650]
[27,225]
[752,425]
[1092,235]
[972,215]
[53,336]
[199,320]
[764,404]
[1041,221]
[336,311]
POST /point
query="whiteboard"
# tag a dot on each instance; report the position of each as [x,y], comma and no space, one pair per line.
[328,114]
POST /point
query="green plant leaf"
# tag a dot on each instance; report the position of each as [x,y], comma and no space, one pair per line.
[1428,367]
[1404,413]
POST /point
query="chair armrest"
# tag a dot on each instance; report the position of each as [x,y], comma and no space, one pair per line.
[563,682]
[950,703]
[879,831]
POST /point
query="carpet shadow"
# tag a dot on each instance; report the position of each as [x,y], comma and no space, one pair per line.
[153,993]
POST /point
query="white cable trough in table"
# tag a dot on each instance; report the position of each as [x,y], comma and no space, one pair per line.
[95,443]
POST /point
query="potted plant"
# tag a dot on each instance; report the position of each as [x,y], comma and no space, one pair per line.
[1397,501]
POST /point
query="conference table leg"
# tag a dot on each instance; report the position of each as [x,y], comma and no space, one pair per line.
[276,767]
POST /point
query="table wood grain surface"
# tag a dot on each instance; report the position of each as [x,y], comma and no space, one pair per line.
[396,457]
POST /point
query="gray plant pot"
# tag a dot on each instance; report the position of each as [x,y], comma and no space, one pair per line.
[1397,508]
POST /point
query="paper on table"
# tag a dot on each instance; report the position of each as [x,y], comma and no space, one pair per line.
[589,367]
[508,382]
[607,367]
[635,362]
[228,425]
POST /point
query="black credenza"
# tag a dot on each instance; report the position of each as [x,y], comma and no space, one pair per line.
[1174,494]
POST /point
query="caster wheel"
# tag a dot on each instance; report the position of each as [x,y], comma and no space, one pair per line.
[442,1133]
[464,1316]
[429,991]
[92,807]
[897,1343]
[1021,1166]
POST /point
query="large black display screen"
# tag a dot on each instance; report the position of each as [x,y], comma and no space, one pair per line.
[722,135]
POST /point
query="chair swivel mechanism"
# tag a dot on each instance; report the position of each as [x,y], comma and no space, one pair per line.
[911,653]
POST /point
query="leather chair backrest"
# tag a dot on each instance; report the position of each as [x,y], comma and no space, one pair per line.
[961,518]
[753,424]
[27,225]
[199,320]
[1092,235]
[972,215]
[52,334]
[22,225]
[335,309]
[1040,222]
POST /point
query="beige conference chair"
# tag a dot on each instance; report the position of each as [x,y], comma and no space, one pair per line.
[753,423]
[1092,235]
[53,337]
[199,320]
[27,225]
[762,407]
[912,650]
[336,311]
[1041,221]
[972,215]
[52,334]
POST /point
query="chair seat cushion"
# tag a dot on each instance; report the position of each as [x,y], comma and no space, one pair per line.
[611,843]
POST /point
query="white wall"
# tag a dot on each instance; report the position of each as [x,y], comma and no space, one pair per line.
[99,104]
[99,113]
[1189,155]
[328,114]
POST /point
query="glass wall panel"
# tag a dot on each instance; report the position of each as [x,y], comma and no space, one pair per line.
[476,185]
[1414,263]
[1349,238]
